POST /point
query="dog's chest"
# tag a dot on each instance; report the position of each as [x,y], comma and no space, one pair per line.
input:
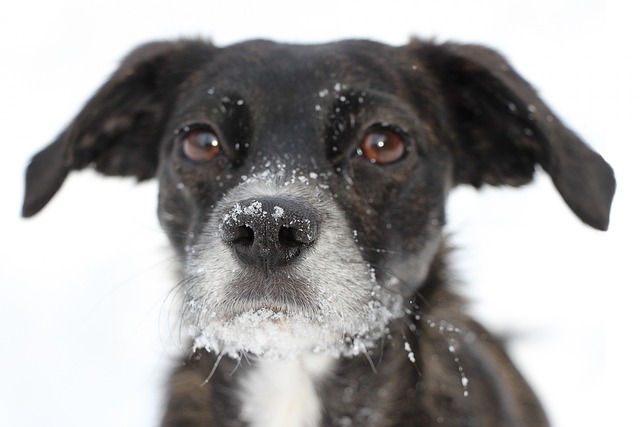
[283,393]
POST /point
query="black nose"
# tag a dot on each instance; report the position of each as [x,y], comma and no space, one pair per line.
[270,232]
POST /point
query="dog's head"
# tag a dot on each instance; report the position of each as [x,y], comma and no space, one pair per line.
[304,186]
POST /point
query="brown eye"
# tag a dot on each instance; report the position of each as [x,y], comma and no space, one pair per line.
[382,145]
[200,145]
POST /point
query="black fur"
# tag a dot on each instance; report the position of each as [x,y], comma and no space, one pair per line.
[468,118]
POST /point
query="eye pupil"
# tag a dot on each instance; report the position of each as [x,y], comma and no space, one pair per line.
[200,145]
[382,146]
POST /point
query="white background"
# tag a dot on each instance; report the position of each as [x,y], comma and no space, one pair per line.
[85,287]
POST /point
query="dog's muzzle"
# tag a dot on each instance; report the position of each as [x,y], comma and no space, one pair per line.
[276,272]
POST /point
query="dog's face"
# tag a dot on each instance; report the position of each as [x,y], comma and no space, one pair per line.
[305,190]
[304,186]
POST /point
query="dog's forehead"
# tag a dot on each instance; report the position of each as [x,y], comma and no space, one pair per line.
[284,76]
[268,64]
[291,92]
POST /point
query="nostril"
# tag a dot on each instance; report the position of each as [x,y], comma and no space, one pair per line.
[286,236]
[290,236]
[244,236]
[298,233]
[238,234]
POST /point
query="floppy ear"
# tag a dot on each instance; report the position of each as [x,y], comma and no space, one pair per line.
[502,130]
[119,129]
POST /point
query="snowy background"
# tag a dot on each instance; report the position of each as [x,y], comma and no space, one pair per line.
[85,285]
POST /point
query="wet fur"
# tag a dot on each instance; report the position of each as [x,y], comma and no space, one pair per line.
[471,119]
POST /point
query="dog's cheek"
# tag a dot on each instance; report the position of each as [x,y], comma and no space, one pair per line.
[399,216]
[184,200]
[373,188]
[380,194]
[419,217]
[174,211]
[414,238]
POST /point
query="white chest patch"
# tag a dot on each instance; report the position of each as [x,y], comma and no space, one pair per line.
[282,393]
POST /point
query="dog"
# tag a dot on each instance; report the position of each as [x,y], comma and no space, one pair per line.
[303,188]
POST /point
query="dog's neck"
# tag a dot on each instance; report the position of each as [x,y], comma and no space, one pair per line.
[283,393]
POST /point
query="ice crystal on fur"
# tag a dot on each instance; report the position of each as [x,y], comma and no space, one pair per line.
[410,354]
[274,335]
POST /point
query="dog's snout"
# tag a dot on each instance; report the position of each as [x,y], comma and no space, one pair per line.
[270,232]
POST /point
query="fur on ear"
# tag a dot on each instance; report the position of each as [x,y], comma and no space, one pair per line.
[501,130]
[119,128]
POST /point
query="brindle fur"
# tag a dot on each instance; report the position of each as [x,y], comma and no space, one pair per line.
[475,121]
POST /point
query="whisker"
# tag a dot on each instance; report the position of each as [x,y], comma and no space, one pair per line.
[373,366]
[213,370]
[170,301]
[382,341]
[242,355]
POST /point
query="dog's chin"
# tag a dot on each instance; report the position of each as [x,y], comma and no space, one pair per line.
[284,333]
